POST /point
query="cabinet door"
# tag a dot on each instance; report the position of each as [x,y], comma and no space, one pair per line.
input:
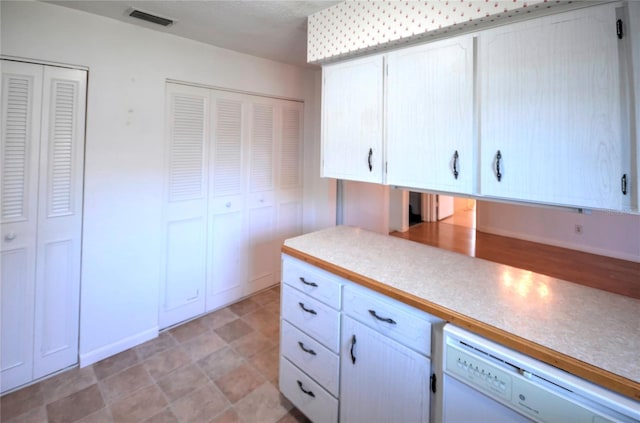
[550,111]
[59,220]
[185,211]
[21,104]
[381,380]
[430,116]
[352,113]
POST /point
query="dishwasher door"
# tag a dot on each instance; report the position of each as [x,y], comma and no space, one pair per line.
[463,404]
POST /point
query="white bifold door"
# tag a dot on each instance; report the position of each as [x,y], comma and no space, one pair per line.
[233,194]
[43,118]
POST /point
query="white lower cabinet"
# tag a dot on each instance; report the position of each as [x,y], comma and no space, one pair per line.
[306,394]
[380,379]
[350,354]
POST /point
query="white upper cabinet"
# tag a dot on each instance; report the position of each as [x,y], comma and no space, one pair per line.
[552,116]
[430,116]
[352,120]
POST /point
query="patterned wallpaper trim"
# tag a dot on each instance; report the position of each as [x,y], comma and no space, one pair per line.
[353,27]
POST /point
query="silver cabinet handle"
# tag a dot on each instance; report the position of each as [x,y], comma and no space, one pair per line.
[10,236]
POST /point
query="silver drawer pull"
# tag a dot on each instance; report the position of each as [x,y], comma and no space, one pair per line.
[308,283]
[305,349]
[311,394]
[384,319]
[308,310]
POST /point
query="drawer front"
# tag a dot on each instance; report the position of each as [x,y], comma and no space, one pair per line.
[311,280]
[308,354]
[407,325]
[316,403]
[312,317]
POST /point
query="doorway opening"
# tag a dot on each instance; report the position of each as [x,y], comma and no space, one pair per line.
[451,210]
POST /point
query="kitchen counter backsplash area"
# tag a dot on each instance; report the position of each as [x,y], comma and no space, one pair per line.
[553,316]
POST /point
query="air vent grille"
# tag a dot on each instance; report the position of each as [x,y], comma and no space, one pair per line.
[150,18]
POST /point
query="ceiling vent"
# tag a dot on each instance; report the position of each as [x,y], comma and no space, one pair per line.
[150,18]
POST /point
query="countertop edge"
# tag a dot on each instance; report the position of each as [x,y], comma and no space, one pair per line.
[612,381]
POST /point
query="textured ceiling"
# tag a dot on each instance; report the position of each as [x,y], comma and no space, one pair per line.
[275,30]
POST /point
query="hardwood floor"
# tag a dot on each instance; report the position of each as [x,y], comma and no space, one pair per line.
[609,274]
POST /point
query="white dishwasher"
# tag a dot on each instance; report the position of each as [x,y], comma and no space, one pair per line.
[487,382]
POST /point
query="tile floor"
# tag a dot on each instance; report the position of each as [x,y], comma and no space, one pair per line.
[222,367]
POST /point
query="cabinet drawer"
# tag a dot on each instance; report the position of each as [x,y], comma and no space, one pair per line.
[312,317]
[309,355]
[316,403]
[407,325]
[311,280]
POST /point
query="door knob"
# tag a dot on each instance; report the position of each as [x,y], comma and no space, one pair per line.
[10,236]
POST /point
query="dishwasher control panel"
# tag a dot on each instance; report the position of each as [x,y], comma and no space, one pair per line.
[476,371]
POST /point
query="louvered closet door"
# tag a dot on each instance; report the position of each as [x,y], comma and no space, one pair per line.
[185,211]
[59,220]
[227,272]
[261,199]
[289,213]
[21,102]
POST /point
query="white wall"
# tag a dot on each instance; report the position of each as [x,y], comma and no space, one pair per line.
[605,233]
[366,206]
[128,67]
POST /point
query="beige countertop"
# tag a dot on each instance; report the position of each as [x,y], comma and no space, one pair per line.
[588,332]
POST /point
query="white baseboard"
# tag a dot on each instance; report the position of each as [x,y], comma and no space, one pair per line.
[561,244]
[88,358]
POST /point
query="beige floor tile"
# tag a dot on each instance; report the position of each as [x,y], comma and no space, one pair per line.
[219,318]
[264,405]
[76,406]
[220,363]
[163,342]
[138,406]
[203,345]
[182,382]
[273,307]
[252,344]
[201,406]
[35,415]
[165,416]
[233,330]
[125,382]
[243,307]
[67,383]
[115,364]
[262,318]
[239,382]
[101,416]
[229,416]
[21,401]
[267,296]
[294,416]
[188,330]
[167,361]
[267,363]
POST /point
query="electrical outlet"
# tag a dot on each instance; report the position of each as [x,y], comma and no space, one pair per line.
[578,229]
